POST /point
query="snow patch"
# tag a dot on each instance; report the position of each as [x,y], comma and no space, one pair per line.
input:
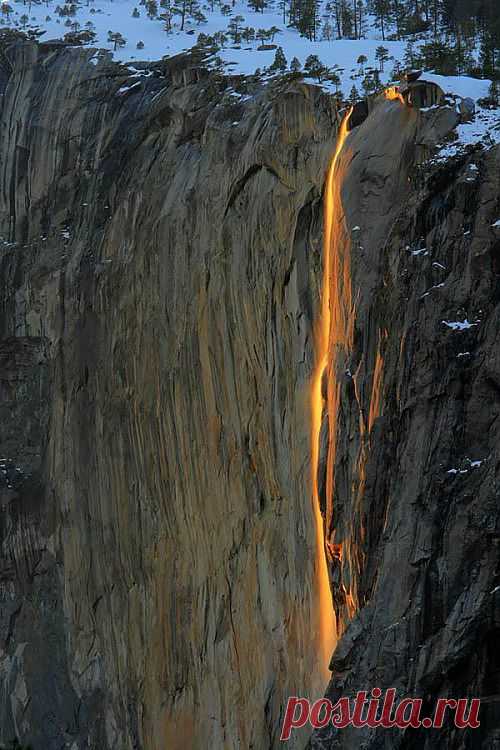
[124,89]
[484,129]
[457,325]
[464,86]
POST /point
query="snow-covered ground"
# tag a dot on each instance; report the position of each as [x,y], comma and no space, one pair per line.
[116,15]
[341,54]
[132,20]
[484,129]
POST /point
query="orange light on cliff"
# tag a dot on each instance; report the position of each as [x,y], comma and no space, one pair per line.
[393,93]
[376,397]
[327,628]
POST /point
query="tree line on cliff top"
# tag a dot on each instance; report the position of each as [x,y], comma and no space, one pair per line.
[460,36]
[449,36]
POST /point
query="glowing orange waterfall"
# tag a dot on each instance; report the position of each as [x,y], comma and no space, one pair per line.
[393,94]
[325,336]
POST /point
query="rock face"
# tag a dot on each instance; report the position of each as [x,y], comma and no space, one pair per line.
[160,274]
[159,266]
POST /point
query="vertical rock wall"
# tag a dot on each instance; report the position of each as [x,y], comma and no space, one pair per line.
[158,272]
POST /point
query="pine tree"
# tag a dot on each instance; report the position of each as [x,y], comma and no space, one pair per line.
[440,57]
[220,39]
[360,23]
[117,39]
[205,40]
[362,60]
[248,34]
[382,55]
[166,17]
[334,78]
[382,8]
[327,31]
[152,8]
[280,61]
[234,28]
[258,6]
[435,16]
[398,12]
[410,56]
[6,10]
[180,8]
[284,5]
[348,21]
[273,31]
[371,82]
[197,16]
[334,9]
[487,56]
[295,65]
[306,17]
[397,73]
[315,68]
[354,95]
[347,17]
[262,35]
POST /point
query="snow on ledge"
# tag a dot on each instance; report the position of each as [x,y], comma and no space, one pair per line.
[464,86]
[457,325]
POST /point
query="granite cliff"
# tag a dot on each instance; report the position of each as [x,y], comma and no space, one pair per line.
[160,276]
